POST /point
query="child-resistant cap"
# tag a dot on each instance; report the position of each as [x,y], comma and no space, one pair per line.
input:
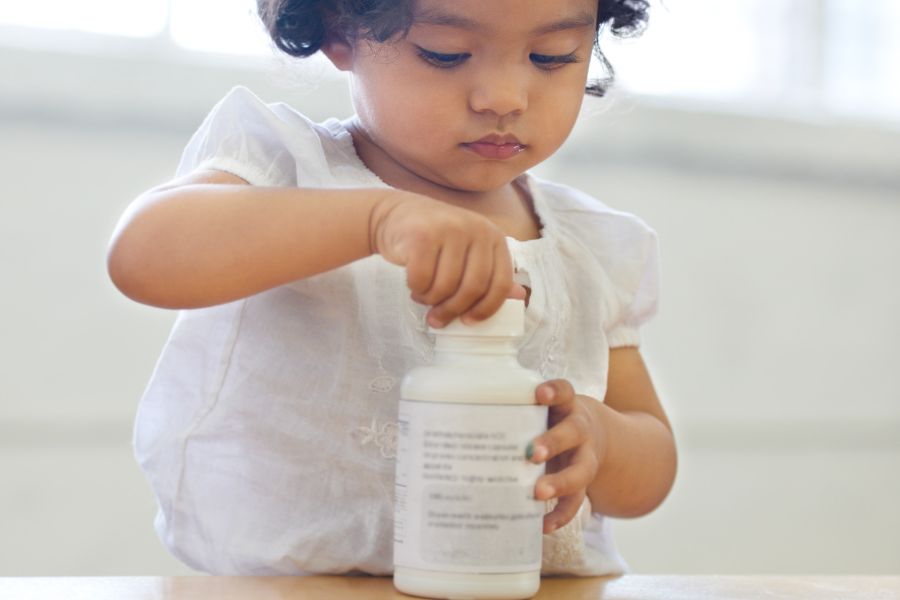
[508,321]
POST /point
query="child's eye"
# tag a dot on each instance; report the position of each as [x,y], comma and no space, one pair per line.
[552,61]
[441,60]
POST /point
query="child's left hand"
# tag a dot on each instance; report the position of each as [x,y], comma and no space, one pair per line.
[572,447]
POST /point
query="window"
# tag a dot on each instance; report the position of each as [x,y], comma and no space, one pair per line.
[707,48]
[223,26]
[862,56]
[236,30]
[837,56]
[135,18]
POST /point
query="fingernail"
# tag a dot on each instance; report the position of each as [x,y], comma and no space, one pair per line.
[435,322]
[536,453]
[547,491]
[548,393]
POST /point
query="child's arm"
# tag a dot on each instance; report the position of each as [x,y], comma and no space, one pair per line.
[209,238]
[620,452]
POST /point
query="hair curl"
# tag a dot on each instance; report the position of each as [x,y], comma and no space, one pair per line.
[300,27]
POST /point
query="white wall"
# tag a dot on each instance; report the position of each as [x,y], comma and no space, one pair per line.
[775,349]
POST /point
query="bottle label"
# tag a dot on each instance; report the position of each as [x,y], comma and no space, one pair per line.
[465,491]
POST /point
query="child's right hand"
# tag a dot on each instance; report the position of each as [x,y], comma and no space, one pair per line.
[456,260]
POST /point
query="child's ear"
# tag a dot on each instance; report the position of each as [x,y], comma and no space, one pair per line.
[339,52]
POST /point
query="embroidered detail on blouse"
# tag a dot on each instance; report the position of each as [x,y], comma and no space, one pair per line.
[384,436]
[564,548]
[418,337]
[542,267]
[559,305]
[382,383]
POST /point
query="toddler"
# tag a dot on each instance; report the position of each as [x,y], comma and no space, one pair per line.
[309,260]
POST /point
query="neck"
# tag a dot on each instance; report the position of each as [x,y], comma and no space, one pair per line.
[509,206]
[396,175]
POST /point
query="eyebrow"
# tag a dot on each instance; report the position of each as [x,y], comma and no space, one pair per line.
[446,19]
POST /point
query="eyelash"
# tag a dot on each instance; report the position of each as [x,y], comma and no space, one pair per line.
[550,62]
[544,62]
[440,60]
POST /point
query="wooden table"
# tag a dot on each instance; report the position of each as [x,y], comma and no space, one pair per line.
[629,587]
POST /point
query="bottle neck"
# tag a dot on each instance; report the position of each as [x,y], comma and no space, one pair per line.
[453,348]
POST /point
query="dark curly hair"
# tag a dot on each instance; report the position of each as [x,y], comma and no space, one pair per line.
[300,27]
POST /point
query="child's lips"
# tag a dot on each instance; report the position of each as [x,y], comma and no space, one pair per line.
[498,147]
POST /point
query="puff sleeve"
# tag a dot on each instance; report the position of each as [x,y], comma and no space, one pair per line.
[637,287]
[613,261]
[264,144]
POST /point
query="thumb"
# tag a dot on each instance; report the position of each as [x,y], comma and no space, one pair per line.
[517,292]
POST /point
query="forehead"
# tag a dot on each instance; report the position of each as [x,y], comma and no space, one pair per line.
[520,17]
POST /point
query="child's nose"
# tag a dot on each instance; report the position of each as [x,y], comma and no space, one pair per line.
[501,91]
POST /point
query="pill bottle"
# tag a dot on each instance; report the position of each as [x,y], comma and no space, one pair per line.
[466,522]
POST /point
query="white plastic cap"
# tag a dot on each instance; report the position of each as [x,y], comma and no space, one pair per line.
[508,321]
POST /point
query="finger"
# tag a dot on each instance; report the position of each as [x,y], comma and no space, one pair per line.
[448,273]
[577,476]
[501,285]
[517,291]
[571,432]
[476,278]
[564,511]
[555,392]
[420,271]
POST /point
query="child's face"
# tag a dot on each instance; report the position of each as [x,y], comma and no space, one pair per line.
[479,90]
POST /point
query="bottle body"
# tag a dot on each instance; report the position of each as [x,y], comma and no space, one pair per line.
[466,521]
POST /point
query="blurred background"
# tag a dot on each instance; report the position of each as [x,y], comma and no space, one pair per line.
[760,139]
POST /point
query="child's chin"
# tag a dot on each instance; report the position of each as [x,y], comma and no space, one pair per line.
[484,182]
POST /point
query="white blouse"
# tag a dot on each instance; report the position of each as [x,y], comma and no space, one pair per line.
[268,430]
